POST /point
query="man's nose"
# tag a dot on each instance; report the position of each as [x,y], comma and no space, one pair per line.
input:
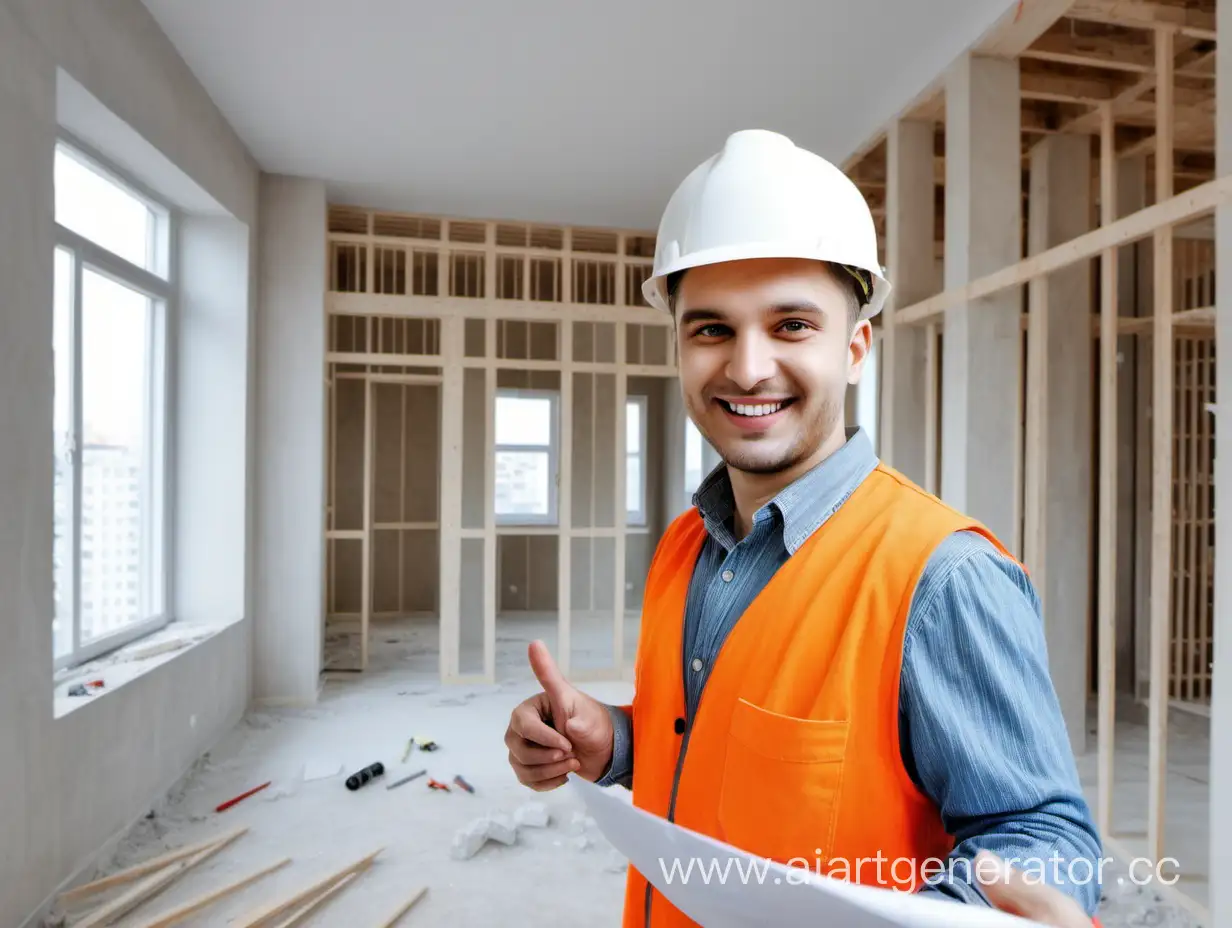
[752,360]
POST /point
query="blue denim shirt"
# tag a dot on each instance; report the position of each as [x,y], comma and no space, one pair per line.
[981,730]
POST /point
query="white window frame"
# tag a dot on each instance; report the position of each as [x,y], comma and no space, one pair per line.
[691,430]
[553,450]
[160,289]
[637,517]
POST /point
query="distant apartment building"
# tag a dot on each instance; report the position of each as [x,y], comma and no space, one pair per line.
[110,539]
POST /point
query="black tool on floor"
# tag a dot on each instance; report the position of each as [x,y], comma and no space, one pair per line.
[371,772]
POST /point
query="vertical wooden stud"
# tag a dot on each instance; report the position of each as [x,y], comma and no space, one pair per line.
[452,349]
[564,503]
[620,513]
[489,512]
[931,430]
[365,608]
[1106,563]
[1161,457]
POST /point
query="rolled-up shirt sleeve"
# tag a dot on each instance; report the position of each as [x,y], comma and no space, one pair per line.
[620,771]
[982,730]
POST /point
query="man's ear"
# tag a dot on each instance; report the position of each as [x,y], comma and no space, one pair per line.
[857,350]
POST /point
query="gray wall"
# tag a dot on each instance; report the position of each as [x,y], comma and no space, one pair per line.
[68,785]
[291,445]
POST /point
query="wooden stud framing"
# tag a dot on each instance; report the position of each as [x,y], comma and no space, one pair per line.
[452,385]
[619,510]
[564,506]
[1141,74]
[457,271]
[1107,496]
[1161,456]
[489,509]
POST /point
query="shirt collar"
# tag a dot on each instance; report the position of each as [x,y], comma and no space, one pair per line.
[803,505]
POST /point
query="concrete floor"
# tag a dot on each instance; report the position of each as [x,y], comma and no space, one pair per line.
[545,878]
[1186,805]
[366,717]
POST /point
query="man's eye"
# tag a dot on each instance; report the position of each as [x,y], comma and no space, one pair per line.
[710,331]
[795,325]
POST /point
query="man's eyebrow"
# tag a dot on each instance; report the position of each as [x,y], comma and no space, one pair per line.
[705,314]
[699,315]
[798,306]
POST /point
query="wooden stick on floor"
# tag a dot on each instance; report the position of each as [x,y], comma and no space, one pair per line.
[404,908]
[150,886]
[320,900]
[175,916]
[143,869]
[265,916]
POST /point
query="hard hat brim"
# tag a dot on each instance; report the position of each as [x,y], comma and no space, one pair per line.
[654,288]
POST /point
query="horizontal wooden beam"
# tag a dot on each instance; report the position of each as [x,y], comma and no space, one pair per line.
[1135,14]
[1133,227]
[1092,52]
[1058,88]
[1020,27]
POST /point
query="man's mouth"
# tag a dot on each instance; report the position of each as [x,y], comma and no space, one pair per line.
[755,410]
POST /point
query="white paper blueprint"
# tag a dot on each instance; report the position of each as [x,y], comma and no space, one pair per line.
[774,894]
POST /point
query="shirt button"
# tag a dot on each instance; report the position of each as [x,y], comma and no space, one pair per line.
[727,576]
[697,663]
[679,726]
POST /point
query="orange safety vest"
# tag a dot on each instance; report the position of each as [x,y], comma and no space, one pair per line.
[793,753]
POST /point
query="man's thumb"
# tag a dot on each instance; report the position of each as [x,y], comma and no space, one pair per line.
[546,671]
[578,728]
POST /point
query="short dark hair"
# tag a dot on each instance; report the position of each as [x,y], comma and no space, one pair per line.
[859,288]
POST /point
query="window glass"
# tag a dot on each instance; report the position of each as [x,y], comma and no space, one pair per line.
[115,461]
[102,211]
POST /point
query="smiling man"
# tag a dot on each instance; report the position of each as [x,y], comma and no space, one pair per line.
[835,669]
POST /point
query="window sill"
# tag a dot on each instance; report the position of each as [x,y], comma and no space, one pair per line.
[128,663]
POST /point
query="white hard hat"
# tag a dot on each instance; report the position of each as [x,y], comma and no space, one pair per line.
[762,197]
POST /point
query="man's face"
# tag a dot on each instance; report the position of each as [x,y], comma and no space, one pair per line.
[766,351]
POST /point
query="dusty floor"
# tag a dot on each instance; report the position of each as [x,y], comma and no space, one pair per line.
[548,877]
[1186,807]
[543,879]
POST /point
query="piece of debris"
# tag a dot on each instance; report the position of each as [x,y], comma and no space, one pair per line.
[501,828]
[532,815]
[462,783]
[497,827]
[437,784]
[223,807]
[468,841]
[406,779]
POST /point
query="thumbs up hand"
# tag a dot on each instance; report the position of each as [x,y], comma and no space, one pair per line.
[558,731]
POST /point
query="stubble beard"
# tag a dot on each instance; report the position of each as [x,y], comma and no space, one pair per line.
[743,455]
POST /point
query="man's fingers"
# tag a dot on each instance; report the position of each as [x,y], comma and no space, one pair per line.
[538,774]
[526,752]
[1010,891]
[526,723]
[546,785]
[548,674]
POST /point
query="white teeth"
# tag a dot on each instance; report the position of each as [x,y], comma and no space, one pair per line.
[763,409]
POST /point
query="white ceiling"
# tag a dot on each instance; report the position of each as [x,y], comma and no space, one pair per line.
[570,111]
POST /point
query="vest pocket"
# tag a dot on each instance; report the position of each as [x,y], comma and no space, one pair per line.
[781,782]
